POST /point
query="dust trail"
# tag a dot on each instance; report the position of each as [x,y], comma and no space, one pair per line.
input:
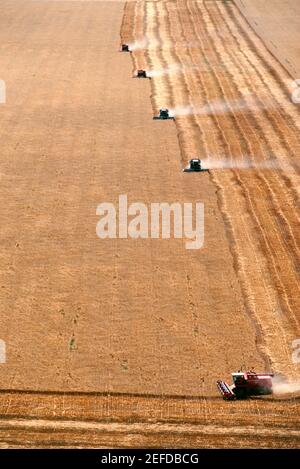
[183,111]
[164,71]
[174,68]
[218,107]
[155,43]
[247,163]
[282,385]
[144,43]
[139,44]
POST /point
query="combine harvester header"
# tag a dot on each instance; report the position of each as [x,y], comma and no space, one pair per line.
[164,114]
[195,166]
[141,74]
[125,48]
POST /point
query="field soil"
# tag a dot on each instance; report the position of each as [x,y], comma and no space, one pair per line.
[277,23]
[119,342]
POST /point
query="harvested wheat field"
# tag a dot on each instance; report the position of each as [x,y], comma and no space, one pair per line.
[119,342]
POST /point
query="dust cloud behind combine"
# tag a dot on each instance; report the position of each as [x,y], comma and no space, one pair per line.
[219,107]
[283,386]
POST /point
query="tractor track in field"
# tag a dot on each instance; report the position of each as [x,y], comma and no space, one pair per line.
[142,428]
[222,60]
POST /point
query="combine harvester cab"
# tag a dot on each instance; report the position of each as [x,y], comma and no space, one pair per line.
[141,74]
[195,166]
[164,114]
[125,48]
[246,384]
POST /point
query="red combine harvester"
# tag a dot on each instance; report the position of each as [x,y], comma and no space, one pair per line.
[246,384]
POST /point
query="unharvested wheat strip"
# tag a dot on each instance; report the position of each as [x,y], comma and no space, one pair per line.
[264,301]
[127,35]
[162,92]
[275,118]
[176,82]
[293,247]
[191,135]
[264,54]
[249,56]
[177,49]
[276,185]
[167,56]
[138,35]
[254,44]
[193,79]
[277,181]
[254,48]
[241,116]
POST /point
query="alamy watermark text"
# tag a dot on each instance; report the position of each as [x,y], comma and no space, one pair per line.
[159,220]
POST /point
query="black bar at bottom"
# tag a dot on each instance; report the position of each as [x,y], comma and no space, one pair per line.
[145,457]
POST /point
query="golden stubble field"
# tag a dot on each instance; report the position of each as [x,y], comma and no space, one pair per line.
[119,342]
